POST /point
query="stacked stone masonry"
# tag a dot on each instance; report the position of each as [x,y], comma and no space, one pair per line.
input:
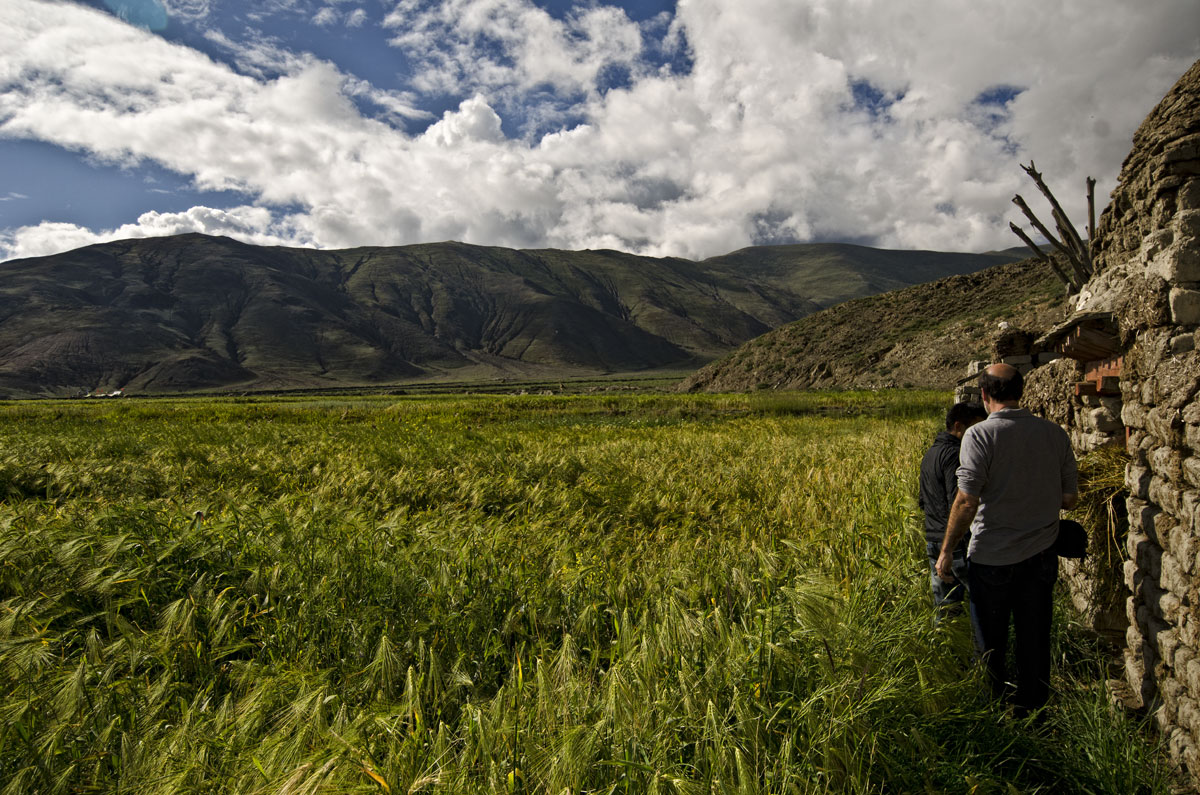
[1091,420]
[1147,252]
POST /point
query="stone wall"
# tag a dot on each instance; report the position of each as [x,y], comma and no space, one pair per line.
[1147,278]
[1147,249]
[1091,420]
[1163,477]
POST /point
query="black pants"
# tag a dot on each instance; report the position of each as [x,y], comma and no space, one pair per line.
[1022,592]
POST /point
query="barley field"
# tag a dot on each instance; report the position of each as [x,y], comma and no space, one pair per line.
[461,594]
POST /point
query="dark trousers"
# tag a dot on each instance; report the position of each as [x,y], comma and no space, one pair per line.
[1022,592]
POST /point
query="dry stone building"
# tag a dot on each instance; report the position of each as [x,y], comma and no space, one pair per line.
[1129,376]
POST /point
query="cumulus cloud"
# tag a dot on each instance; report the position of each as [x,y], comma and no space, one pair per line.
[511,48]
[473,121]
[894,124]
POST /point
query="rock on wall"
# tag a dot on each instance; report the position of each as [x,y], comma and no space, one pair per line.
[1148,257]
[1089,421]
[1048,390]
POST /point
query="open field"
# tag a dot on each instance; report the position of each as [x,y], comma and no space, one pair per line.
[700,593]
[642,381]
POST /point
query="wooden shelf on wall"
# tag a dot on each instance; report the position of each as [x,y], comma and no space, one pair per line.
[1088,343]
[1101,377]
[1086,337]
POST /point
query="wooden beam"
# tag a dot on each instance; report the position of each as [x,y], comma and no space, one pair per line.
[1038,225]
[1043,256]
[1066,228]
[1041,185]
[1091,199]
[1073,241]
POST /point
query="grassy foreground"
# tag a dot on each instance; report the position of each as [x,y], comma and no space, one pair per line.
[496,594]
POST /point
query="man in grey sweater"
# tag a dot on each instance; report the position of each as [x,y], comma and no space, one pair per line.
[1016,472]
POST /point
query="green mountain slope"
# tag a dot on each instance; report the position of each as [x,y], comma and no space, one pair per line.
[195,312]
[920,336]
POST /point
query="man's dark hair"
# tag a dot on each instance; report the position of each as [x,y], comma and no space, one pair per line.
[1001,388]
[964,413]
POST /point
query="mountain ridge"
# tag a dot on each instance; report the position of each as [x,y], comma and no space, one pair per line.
[919,336]
[192,312]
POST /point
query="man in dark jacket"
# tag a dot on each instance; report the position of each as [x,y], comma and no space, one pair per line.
[938,483]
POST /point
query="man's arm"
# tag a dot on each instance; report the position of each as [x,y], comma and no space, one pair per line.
[962,512]
[1070,478]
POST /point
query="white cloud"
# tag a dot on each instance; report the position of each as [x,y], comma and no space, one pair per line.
[508,48]
[260,58]
[191,10]
[761,141]
[46,238]
[400,105]
[250,224]
[473,121]
[329,15]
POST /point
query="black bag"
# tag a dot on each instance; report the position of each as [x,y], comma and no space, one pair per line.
[1072,539]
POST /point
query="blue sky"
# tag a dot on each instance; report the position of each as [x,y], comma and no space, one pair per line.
[687,129]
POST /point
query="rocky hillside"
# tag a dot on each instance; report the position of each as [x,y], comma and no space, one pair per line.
[920,336]
[194,312]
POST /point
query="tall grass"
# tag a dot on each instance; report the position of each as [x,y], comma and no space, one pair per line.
[637,594]
[1101,509]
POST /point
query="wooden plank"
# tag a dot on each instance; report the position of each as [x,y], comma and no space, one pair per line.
[1083,352]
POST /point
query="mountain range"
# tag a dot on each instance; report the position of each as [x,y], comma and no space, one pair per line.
[194,312]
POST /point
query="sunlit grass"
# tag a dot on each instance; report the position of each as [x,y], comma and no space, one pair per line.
[592,594]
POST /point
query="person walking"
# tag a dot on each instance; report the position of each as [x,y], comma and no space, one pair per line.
[1016,472]
[938,484]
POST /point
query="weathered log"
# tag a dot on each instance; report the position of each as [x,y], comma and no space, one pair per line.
[1043,256]
[1033,173]
[1091,199]
[1037,224]
[1067,229]
[1073,241]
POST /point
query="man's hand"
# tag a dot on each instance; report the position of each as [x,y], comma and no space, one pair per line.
[945,563]
[961,513]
